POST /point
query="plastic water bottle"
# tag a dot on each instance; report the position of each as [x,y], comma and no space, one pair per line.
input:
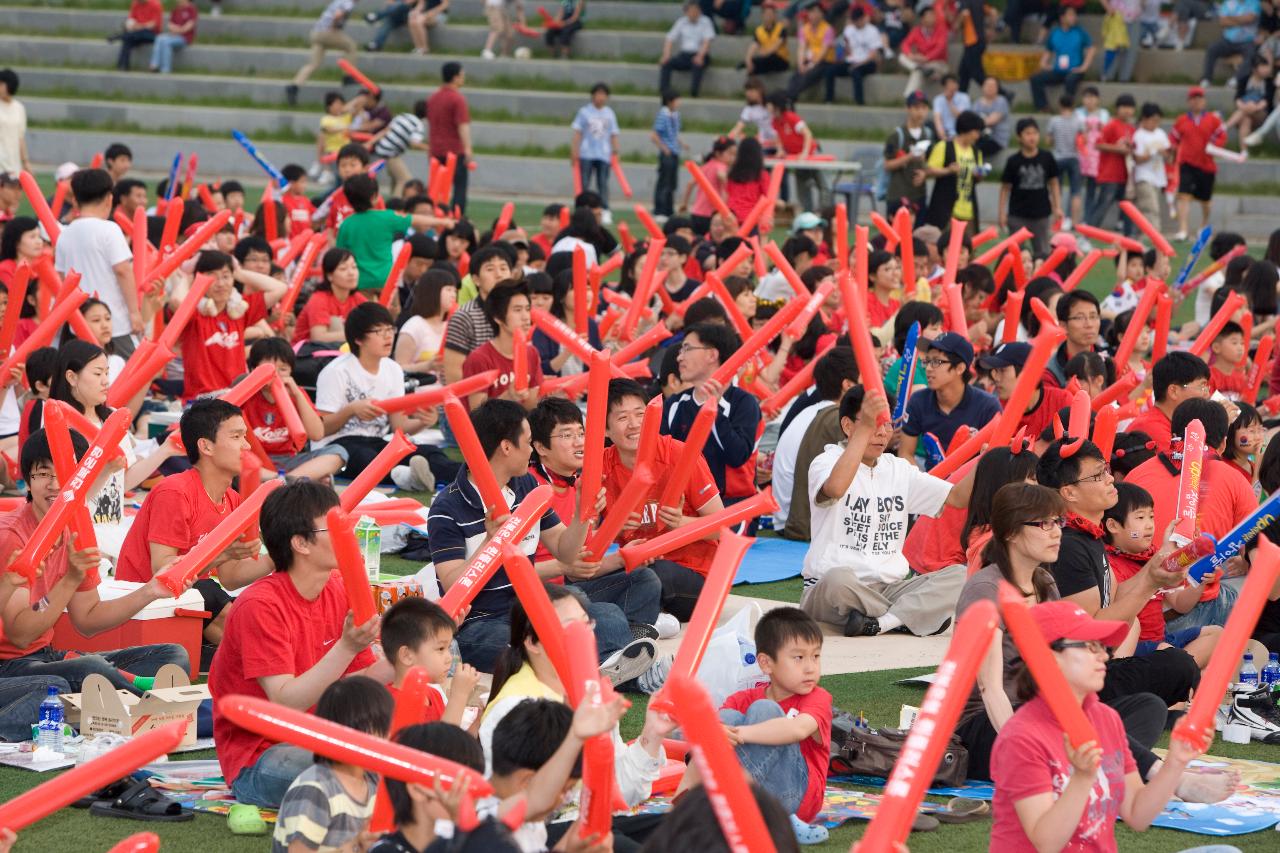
[49,729]
[1249,672]
[1271,672]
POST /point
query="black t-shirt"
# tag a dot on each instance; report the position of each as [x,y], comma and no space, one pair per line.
[1029,179]
[1082,565]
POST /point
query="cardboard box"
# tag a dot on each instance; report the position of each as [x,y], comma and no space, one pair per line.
[99,707]
[388,591]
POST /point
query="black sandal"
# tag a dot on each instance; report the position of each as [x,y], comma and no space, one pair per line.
[142,802]
[106,793]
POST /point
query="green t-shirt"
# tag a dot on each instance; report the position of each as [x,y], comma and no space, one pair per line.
[369,236]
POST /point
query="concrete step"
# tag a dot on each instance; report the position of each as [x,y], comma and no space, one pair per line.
[577,75]
[629,46]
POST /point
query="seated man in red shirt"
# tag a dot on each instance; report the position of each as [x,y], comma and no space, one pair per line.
[69,583]
[288,638]
[184,507]
[683,570]
[508,306]
[558,438]
[1176,377]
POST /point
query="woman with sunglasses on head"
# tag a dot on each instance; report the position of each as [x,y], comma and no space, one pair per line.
[1051,795]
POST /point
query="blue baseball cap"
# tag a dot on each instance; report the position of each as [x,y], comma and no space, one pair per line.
[953,344]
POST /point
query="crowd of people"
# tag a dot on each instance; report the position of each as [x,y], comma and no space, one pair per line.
[357,294]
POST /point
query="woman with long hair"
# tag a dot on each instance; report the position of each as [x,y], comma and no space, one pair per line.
[97,314]
[81,381]
[997,468]
[747,180]
[715,166]
[322,320]
[884,274]
[420,345]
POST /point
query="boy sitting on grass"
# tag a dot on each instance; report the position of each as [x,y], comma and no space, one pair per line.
[328,806]
[781,730]
[417,632]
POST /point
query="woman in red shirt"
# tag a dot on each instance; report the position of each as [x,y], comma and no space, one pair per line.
[180,33]
[146,17]
[748,180]
[323,319]
[885,273]
[20,241]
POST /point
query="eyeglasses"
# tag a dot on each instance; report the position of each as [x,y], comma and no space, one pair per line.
[568,435]
[1093,647]
[383,330]
[38,476]
[1095,478]
[935,362]
[1200,387]
[320,530]
[692,347]
[1084,318]
[1047,524]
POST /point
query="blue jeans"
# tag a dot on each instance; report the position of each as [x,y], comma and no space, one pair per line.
[264,782]
[600,169]
[1069,173]
[139,660]
[638,594]
[1105,208]
[780,769]
[162,51]
[1068,80]
[1212,612]
[664,191]
[392,16]
[20,700]
[482,641]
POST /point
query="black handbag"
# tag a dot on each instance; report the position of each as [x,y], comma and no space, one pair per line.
[857,751]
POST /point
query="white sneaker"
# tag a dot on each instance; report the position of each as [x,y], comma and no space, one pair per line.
[1206,83]
[629,662]
[606,217]
[1253,140]
[1256,710]
[1180,237]
[667,625]
[808,833]
[402,476]
[421,470]
[1066,224]
[652,679]
[487,54]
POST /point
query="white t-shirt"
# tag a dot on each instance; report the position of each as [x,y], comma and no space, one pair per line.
[344,381]
[92,247]
[568,244]
[1204,297]
[861,43]
[10,412]
[13,126]
[773,287]
[426,340]
[784,460]
[866,528]
[758,114]
[1153,142]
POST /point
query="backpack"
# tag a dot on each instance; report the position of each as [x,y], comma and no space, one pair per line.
[882,174]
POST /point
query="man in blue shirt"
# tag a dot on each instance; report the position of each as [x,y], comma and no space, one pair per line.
[1068,53]
[949,402]
[1239,22]
[457,529]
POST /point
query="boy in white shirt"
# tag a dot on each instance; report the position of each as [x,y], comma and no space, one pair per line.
[863,46]
[855,575]
[1151,149]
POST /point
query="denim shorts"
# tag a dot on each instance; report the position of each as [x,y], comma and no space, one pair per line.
[1069,172]
[1177,639]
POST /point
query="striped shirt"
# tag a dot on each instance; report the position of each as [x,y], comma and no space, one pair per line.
[468,328]
[667,126]
[334,16]
[404,130]
[318,811]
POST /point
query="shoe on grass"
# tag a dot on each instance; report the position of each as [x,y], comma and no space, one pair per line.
[808,833]
[629,662]
[244,819]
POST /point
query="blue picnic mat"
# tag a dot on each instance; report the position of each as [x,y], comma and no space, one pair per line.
[771,558]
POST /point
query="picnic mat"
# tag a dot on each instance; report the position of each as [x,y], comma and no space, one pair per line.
[839,806]
[1253,807]
[195,785]
[771,558]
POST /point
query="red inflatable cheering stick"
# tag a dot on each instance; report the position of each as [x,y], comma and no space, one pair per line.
[641,552]
[478,467]
[346,548]
[1189,483]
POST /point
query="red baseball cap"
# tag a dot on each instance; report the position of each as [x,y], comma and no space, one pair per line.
[1065,620]
[1195,92]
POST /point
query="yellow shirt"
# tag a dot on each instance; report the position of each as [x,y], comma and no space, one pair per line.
[965,180]
[819,41]
[768,39]
[335,130]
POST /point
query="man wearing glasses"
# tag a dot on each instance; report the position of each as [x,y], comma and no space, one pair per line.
[1081,317]
[732,443]
[1083,575]
[1176,377]
[949,402]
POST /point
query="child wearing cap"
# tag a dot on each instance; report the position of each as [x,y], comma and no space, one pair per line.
[1052,795]
[949,402]
[1193,132]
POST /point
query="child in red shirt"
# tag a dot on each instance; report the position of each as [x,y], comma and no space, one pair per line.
[1229,367]
[509,307]
[1130,530]
[213,341]
[418,633]
[781,730]
[298,208]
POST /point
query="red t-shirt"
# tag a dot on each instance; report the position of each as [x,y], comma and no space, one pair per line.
[816,749]
[339,209]
[1233,384]
[264,418]
[934,543]
[446,110]
[486,357]
[879,312]
[177,513]
[790,130]
[1151,616]
[743,197]
[298,210]
[213,348]
[1156,425]
[563,497]
[1193,135]
[1225,496]
[701,488]
[931,45]
[320,309]
[272,630]
[1112,168]
[435,702]
[1029,759]
[16,528]
[148,13]
[183,15]
[1052,400]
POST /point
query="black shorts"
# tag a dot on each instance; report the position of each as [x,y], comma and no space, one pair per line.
[215,597]
[1195,182]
